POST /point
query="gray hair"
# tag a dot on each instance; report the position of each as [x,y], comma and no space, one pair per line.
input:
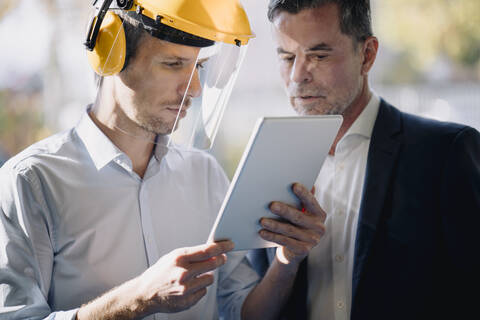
[355,18]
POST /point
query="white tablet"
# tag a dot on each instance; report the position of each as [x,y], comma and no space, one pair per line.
[280,151]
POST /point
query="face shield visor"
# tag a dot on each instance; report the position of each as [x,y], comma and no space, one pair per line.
[173,87]
[206,99]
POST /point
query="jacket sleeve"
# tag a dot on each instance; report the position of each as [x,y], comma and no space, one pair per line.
[460,199]
[236,279]
[26,249]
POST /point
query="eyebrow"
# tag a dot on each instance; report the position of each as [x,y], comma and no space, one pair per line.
[282,51]
[177,58]
[319,47]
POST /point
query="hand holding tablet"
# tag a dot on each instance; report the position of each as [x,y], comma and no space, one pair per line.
[281,151]
[299,229]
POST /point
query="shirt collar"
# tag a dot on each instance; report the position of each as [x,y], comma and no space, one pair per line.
[363,125]
[161,147]
[101,149]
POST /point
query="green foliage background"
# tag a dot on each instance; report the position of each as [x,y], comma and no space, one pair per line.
[419,32]
[424,29]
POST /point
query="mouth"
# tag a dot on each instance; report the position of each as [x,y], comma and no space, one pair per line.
[307,99]
[183,111]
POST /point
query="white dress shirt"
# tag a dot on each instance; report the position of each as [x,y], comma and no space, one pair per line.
[339,189]
[76,221]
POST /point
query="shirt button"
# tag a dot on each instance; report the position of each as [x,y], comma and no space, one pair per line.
[340,304]
[29,272]
[339,258]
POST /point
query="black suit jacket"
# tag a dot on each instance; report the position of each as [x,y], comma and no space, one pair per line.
[417,245]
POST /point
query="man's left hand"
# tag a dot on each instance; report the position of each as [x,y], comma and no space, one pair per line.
[301,231]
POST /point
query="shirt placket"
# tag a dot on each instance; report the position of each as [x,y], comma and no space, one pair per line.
[338,251]
[148,232]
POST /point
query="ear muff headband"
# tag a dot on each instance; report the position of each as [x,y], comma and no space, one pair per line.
[108,55]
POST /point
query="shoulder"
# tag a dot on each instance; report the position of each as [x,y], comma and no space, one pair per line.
[54,147]
[20,178]
[430,127]
[419,130]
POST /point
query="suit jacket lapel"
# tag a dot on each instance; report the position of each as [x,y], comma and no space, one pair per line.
[382,155]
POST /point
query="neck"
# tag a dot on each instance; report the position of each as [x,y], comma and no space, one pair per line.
[351,114]
[134,141]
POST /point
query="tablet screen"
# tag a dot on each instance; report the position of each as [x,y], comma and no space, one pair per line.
[280,152]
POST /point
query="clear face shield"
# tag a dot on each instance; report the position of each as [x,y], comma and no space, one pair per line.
[199,116]
[171,90]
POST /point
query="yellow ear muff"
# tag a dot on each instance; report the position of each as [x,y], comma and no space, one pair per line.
[108,56]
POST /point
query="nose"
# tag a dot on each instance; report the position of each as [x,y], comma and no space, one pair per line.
[300,72]
[194,89]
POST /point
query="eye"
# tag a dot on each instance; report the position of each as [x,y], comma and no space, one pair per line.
[200,65]
[287,58]
[173,64]
[318,57]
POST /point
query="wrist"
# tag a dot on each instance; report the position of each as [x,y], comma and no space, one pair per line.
[122,302]
[138,302]
[287,268]
[287,261]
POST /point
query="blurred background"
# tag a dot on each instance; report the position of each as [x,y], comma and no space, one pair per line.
[428,64]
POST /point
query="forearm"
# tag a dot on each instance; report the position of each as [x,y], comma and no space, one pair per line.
[122,302]
[266,300]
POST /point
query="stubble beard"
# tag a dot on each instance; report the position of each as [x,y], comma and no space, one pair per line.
[324,109]
[154,125]
[157,124]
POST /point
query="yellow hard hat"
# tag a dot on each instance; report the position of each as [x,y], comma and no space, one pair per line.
[214,20]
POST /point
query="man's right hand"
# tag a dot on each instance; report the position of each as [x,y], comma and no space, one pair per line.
[176,282]
[180,279]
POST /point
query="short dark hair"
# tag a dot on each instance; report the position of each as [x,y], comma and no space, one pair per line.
[355,18]
[137,26]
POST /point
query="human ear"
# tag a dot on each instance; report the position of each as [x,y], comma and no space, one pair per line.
[370,49]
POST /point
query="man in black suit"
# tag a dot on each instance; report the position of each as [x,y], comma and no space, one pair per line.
[401,194]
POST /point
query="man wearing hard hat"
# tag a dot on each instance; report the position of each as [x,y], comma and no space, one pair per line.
[91,218]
